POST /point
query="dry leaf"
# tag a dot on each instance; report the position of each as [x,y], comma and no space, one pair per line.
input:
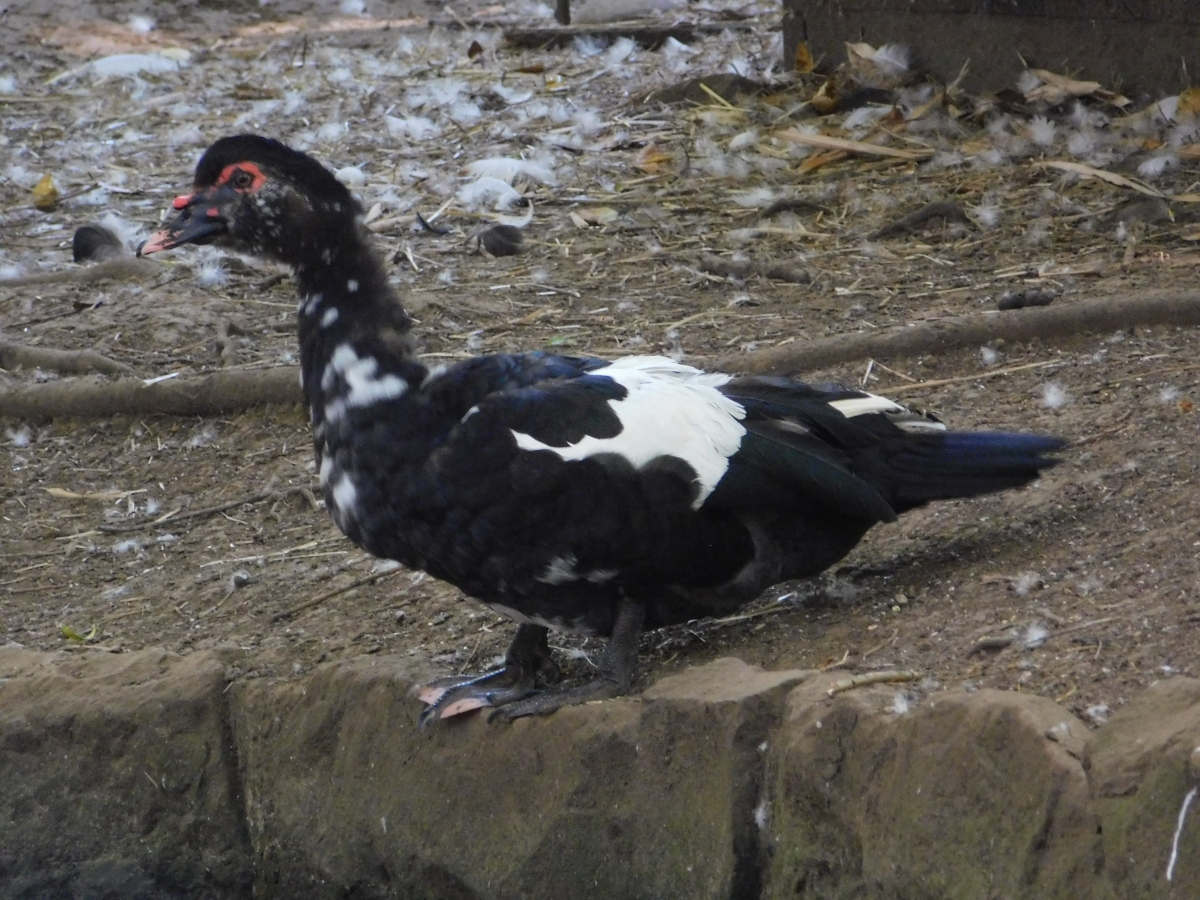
[825,99]
[534,69]
[803,60]
[1085,171]
[72,635]
[1057,88]
[1150,144]
[820,160]
[650,159]
[1189,102]
[45,194]
[594,215]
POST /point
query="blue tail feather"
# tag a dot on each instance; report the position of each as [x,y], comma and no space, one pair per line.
[965,464]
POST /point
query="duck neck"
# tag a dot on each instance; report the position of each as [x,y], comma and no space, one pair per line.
[347,308]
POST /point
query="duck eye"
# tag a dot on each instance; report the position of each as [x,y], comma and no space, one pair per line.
[242,179]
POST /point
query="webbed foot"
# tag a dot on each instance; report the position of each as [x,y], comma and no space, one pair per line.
[528,657]
[617,665]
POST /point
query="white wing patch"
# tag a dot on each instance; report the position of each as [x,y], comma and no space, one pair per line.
[670,410]
[902,417]
[863,406]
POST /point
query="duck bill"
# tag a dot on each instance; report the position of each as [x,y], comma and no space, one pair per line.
[199,222]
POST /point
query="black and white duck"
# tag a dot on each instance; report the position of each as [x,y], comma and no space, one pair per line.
[586,495]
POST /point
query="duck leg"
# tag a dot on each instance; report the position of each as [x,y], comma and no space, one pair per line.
[528,656]
[617,665]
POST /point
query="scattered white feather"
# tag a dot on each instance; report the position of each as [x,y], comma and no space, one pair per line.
[1028,82]
[465,112]
[1035,635]
[8,84]
[1168,394]
[988,356]
[1054,395]
[1097,714]
[672,47]
[1082,144]
[900,704]
[353,8]
[759,198]
[1042,131]
[10,271]
[436,92]
[128,233]
[120,548]
[26,178]
[892,59]
[945,159]
[508,169]
[351,176]
[418,128]
[293,102]
[588,121]
[762,814]
[511,96]
[1156,165]
[987,215]
[331,131]
[621,50]
[1037,234]
[129,65]
[19,437]
[586,45]
[188,134]
[209,274]
[1026,582]
[1167,108]
[863,116]
[488,191]
[202,438]
[141,24]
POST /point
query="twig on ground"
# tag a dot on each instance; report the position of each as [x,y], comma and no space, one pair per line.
[65,361]
[826,142]
[856,681]
[174,516]
[980,376]
[328,595]
[204,395]
[957,332]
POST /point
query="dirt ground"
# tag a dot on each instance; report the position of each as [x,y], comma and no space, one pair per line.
[1084,588]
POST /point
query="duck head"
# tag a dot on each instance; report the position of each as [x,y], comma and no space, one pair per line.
[259,196]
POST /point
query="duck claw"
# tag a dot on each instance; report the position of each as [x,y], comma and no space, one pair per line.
[472,694]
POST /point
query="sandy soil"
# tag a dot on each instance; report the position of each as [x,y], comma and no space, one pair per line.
[1089,580]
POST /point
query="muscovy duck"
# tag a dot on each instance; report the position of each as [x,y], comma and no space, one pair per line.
[570,493]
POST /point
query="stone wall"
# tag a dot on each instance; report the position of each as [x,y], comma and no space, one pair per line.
[149,775]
